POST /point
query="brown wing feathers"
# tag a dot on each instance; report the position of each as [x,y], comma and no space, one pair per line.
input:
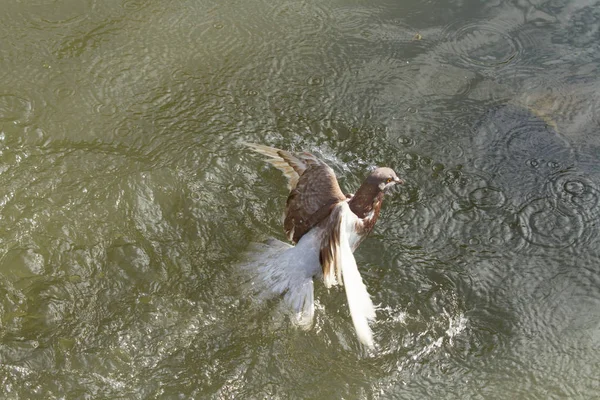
[291,166]
[314,189]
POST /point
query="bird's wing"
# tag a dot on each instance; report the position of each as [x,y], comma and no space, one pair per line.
[288,163]
[314,189]
[339,264]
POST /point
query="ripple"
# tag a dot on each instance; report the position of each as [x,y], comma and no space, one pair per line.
[16,109]
[490,91]
[483,44]
[480,210]
[570,109]
[413,101]
[222,43]
[134,5]
[422,317]
[22,263]
[576,193]
[57,13]
[393,37]
[565,305]
[420,215]
[463,212]
[582,30]
[463,183]
[219,45]
[519,149]
[566,213]
[499,49]
[439,223]
[487,197]
[419,81]
[439,79]
[115,82]
[308,18]
[544,224]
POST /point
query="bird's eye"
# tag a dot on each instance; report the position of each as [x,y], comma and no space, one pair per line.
[388,180]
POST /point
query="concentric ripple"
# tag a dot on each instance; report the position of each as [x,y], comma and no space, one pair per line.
[482,44]
[566,214]
[480,217]
[577,193]
[544,224]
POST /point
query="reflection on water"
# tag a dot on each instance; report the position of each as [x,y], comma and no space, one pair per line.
[127,201]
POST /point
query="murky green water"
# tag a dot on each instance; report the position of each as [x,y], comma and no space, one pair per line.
[126,200]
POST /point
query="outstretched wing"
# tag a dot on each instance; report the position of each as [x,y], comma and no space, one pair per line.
[339,265]
[314,189]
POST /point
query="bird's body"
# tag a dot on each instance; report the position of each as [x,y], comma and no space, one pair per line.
[326,227]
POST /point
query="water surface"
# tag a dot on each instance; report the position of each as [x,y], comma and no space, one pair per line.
[127,200]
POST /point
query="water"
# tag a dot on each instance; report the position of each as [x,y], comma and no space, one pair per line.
[127,200]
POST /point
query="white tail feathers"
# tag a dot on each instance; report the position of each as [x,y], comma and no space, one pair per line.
[277,268]
[361,307]
[302,301]
[359,302]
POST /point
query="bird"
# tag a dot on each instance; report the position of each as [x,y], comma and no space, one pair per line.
[325,226]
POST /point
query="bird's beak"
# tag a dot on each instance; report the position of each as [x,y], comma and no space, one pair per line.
[399,181]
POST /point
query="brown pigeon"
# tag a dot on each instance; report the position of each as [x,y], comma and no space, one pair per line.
[326,227]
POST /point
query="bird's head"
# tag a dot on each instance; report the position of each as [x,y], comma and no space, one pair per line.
[383,178]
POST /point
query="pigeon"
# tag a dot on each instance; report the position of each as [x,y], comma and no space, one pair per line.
[325,226]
